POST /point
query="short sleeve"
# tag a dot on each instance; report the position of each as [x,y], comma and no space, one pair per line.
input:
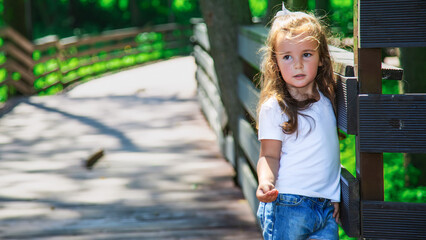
[270,121]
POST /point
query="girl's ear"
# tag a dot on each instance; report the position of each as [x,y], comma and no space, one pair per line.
[320,63]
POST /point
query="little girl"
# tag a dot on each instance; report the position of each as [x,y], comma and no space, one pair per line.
[299,163]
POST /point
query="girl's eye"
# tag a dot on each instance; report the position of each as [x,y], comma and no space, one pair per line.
[307,54]
[287,57]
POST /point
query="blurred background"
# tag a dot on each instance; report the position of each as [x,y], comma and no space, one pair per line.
[48,45]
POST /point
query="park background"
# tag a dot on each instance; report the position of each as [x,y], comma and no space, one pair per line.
[404,175]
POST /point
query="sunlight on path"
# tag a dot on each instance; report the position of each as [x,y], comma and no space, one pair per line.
[162,176]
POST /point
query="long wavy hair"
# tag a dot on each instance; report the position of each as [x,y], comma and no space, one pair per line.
[294,25]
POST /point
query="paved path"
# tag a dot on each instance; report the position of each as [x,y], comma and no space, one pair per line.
[162,176]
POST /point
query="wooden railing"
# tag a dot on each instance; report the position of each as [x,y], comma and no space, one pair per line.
[49,64]
[355,213]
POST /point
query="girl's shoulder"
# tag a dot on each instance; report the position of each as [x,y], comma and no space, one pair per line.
[270,103]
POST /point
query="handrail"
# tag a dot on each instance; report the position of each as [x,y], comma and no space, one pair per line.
[31,66]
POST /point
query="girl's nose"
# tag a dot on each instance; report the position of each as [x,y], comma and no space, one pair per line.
[298,64]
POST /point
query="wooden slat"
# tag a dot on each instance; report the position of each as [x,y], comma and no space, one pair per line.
[343,64]
[44,43]
[248,94]
[213,94]
[94,51]
[349,206]
[206,62]
[201,36]
[88,40]
[250,41]
[209,111]
[248,141]
[347,94]
[248,183]
[230,150]
[386,23]
[21,86]
[13,66]
[18,39]
[392,220]
[18,54]
[392,123]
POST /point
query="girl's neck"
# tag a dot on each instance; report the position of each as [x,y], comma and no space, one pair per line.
[301,94]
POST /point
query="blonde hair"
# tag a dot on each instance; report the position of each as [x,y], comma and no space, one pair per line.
[294,25]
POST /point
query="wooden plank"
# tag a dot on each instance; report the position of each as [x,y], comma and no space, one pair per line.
[206,62]
[230,150]
[392,123]
[210,112]
[343,64]
[44,43]
[250,41]
[248,94]
[393,220]
[213,94]
[347,103]
[14,66]
[19,40]
[349,206]
[248,183]
[385,23]
[248,141]
[201,36]
[21,86]
[369,165]
[19,55]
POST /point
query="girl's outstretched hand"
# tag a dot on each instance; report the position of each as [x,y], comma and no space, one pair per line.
[266,193]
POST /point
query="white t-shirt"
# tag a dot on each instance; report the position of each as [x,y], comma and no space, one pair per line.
[310,163]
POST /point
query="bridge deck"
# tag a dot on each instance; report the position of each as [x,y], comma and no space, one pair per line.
[162,176]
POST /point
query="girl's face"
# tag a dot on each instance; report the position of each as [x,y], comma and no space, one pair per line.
[298,61]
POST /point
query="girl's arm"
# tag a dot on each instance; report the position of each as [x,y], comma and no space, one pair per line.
[267,169]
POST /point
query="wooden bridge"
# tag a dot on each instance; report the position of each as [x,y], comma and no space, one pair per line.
[163,174]
[161,177]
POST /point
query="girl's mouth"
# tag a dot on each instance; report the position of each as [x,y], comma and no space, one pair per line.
[299,76]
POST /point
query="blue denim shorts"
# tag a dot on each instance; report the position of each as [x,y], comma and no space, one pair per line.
[297,217]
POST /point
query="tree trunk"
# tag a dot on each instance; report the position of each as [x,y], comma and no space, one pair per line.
[413,61]
[17,14]
[273,7]
[134,13]
[74,12]
[223,18]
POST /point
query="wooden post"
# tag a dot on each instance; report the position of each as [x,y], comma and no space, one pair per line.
[368,70]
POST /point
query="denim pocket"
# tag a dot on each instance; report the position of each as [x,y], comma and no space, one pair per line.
[289,200]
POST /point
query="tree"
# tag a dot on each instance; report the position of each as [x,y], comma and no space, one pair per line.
[17,14]
[273,7]
[413,61]
[223,18]
[297,5]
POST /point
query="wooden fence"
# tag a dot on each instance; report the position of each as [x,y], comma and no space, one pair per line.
[49,64]
[358,114]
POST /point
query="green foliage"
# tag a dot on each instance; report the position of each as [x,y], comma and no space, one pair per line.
[342,17]
[3,93]
[258,7]
[65,18]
